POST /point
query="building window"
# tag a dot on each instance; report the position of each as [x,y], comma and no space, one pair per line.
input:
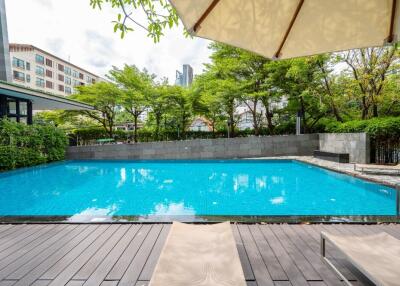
[19,75]
[39,70]
[60,87]
[49,63]
[60,67]
[93,81]
[39,82]
[88,79]
[28,78]
[39,59]
[67,71]
[49,84]
[67,80]
[49,73]
[81,75]
[68,90]
[60,77]
[18,63]
[28,66]
[75,73]
[23,108]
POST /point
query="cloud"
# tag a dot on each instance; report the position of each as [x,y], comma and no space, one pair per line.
[74,30]
[46,3]
[55,45]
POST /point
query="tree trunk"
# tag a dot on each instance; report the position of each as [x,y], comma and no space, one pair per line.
[135,118]
[271,126]
[303,114]
[158,122]
[374,110]
[365,108]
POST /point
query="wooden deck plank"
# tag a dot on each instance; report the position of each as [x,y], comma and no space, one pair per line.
[20,243]
[21,256]
[130,252]
[244,259]
[41,283]
[29,261]
[91,265]
[102,270]
[62,277]
[18,236]
[312,255]
[285,260]
[133,271]
[257,263]
[14,252]
[32,271]
[150,265]
[298,258]
[332,252]
[4,229]
[4,234]
[126,254]
[274,267]
[7,282]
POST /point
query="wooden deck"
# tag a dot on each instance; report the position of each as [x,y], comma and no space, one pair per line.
[126,254]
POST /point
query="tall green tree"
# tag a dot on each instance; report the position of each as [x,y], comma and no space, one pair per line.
[137,86]
[369,68]
[104,97]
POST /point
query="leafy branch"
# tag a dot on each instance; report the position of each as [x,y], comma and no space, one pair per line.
[156,22]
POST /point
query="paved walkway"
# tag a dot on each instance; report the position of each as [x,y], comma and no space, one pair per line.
[347,168]
[126,254]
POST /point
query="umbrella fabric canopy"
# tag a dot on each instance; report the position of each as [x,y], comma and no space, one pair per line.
[292,28]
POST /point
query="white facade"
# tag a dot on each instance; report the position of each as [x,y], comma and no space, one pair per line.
[245,117]
[200,124]
[38,69]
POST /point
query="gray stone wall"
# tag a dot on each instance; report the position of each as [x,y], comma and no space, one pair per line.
[356,144]
[290,145]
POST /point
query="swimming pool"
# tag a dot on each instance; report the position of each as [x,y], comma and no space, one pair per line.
[190,189]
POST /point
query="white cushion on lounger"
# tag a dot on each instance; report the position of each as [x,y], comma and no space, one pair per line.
[199,255]
[377,256]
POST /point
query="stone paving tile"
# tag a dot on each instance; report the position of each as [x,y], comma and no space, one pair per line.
[347,168]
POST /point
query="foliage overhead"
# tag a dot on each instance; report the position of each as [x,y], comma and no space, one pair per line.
[153,16]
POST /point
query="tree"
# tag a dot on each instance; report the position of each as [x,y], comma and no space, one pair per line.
[180,105]
[104,97]
[136,86]
[158,105]
[369,68]
[159,15]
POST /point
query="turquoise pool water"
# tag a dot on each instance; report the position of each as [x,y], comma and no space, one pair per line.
[189,188]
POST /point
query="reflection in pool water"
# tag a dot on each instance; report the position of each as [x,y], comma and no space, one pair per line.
[189,188]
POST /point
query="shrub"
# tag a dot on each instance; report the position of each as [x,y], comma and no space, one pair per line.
[27,145]
[378,128]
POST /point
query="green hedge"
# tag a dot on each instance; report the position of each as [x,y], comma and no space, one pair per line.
[378,128]
[24,145]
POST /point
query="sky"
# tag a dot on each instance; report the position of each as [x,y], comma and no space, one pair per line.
[71,29]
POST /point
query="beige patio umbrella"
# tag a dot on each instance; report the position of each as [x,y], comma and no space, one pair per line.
[292,28]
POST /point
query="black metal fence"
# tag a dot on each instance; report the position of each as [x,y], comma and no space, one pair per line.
[385,151]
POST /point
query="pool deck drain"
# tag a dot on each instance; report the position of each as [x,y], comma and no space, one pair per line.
[126,254]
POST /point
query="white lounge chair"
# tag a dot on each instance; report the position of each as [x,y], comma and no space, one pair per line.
[377,256]
[378,169]
[203,255]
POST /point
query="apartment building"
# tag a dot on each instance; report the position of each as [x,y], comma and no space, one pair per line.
[37,69]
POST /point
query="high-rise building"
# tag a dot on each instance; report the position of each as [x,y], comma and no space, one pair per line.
[5,71]
[35,68]
[184,78]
